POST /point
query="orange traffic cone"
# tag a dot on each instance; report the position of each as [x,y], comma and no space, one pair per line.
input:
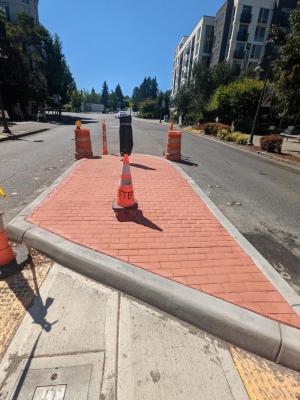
[8,262]
[6,253]
[125,196]
[104,139]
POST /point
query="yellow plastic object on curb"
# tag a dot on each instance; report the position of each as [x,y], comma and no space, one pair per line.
[78,124]
[265,380]
[2,192]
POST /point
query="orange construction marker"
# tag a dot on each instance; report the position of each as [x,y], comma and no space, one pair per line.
[104,139]
[125,195]
[6,254]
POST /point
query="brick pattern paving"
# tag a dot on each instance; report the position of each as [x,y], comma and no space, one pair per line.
[175,236]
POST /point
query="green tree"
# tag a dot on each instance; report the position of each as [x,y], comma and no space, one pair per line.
[76,100]
[60,79]
[94,97]
[36,67]
[119,97]
[105,95]
[287,72]
[237,102]
[148,108]
[112,101]
[183,100]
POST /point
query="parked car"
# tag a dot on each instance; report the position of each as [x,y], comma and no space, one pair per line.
[121,114]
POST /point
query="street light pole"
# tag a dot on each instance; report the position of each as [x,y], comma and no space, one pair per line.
[258,69]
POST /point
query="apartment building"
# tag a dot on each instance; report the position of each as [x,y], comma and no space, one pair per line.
[14,7]
[241,29]
[192,49]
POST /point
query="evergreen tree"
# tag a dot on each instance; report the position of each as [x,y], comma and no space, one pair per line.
[105,95]
[287,71]
[119,97]
[153,88]
[36,67]
[112,101]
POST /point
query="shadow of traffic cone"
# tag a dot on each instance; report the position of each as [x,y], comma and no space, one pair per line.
[104,139]
[10,261]
[125,195]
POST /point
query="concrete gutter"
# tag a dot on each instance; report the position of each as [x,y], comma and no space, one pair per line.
[236,325]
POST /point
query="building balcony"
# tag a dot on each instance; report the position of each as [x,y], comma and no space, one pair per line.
[242,36]
[246,18]
[239,54]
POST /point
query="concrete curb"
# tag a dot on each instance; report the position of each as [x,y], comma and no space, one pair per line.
[289,165]
[243,328]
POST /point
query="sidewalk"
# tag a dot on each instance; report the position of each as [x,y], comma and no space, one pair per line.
[24,128]
[86,341]
[178,254]
[290,146]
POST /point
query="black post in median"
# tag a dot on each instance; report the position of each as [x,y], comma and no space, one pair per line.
[126,139]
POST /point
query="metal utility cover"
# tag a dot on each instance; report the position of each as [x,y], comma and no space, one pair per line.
[70,383]
[50,392]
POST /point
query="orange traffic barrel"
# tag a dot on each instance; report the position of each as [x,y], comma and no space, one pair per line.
[125,195]
[6,254]
[173,151]
[83,144]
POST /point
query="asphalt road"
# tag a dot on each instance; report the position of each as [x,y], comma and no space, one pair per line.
[267,195]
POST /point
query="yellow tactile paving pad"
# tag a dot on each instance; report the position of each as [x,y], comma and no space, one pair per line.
[16,295]
[265,380]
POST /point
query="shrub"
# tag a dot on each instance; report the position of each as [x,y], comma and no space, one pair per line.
[271,143]
[223,134]
[237,102]
[213,128]
[239,138]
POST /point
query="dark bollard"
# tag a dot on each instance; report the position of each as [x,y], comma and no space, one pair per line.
[126,139]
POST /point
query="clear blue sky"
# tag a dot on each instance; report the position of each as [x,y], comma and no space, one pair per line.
[122,41]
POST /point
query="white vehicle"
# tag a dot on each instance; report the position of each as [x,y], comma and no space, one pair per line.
[121,114]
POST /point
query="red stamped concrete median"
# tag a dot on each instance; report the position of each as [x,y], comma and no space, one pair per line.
[175,235]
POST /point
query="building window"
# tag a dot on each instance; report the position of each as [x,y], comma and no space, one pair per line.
[285,17]
[239,52]
[260,34]
[26,1]
[206,60]
[242,35]
[263,15]
[207,47]
[209,32]
[246,15]
[256,51]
